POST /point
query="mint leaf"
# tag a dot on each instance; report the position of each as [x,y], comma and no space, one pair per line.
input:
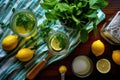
[49,4]
[79,4]
[84,3]
[45,29]
[95,30]
[78,12]
[51,16]
[83,35]
[25,20]
[96,4]
[75,19]
[92,2]
[91,14]
[61,39]
[62,7]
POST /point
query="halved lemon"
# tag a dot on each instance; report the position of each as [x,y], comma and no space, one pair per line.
[55,44]
[103,65]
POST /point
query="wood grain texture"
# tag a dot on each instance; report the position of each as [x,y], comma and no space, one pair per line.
[51,72]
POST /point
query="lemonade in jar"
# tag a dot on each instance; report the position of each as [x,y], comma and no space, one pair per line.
[23,23]
[58,43]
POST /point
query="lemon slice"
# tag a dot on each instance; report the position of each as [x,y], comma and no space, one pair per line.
[22,30]
[55,44]
[103,65]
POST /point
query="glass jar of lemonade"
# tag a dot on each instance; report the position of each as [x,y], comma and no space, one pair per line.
[111,31]
[58,43]
[82,66]
[23,23]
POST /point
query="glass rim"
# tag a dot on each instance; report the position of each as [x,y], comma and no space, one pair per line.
[90,70]
[13,26]
[61,52]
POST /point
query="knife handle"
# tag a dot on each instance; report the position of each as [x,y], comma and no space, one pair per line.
[35,70]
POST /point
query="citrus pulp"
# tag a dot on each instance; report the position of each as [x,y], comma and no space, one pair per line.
[103,65]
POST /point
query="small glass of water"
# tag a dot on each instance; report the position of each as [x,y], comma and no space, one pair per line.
[82,66]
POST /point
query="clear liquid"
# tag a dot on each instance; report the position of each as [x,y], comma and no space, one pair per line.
[25,29]
[82,66]
[23,23]
[58,43]
[114,28]
[112,31]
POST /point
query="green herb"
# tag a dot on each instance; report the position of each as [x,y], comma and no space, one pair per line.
[74,13]
[45,29]
[61,39]
[25,20]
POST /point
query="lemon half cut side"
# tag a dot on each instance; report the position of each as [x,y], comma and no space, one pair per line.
[55,44]
[103,65]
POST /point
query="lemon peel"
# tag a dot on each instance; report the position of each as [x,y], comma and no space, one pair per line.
[116,56]
[24,54]
[98,48]
[10,42]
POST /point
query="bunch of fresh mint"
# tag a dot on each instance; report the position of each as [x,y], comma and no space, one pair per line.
[74,13]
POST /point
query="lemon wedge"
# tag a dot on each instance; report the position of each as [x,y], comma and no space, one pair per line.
[55,44]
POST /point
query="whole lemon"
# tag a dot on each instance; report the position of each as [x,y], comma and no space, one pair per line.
[24,54]
[116,56]
[98,48]
[10,42]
